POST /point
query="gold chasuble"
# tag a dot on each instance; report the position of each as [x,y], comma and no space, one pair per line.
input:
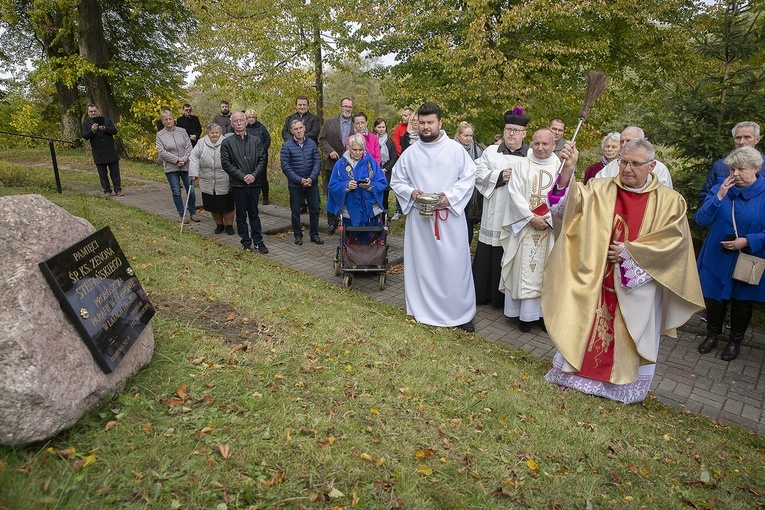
[603,331]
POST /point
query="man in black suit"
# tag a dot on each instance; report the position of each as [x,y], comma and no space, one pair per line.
[332,139]
[191,124]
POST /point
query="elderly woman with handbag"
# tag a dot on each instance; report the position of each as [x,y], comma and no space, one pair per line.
[730,267]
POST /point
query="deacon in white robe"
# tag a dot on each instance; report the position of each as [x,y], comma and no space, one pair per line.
[493,170]
[527,236]
[438,284]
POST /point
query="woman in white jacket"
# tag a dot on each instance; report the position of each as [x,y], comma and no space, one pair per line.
[213,181]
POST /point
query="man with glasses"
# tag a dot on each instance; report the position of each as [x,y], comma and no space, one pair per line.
[622,273]
[493,170]
[745,134]
[332,139]
[242,158]
[612,169]
[190,123]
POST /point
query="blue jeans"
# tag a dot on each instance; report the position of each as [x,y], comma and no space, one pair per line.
[174,179]
[298,196]
[246,205]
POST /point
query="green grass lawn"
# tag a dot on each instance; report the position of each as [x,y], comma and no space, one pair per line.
[273,389]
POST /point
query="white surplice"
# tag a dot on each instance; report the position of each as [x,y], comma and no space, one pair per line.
[526,248]
[438,283]
[489,167]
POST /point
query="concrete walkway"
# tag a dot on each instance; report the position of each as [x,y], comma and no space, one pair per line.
[730,393]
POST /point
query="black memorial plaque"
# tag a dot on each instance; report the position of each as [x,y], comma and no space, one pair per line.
[99,291]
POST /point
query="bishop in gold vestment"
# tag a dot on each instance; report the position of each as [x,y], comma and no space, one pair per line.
[621,274]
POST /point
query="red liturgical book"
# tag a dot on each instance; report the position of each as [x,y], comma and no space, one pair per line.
[541,210]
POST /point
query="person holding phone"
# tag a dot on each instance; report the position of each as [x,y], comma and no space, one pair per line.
[100,131]
[356,186]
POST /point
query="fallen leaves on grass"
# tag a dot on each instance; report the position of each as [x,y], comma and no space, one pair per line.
[425,470]
[225,451]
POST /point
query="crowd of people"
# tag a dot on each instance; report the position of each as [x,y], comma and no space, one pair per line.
[605,266]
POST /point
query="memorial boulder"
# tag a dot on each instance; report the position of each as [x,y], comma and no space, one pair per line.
[51,370]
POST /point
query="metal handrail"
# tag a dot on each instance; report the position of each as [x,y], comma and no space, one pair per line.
[52,148]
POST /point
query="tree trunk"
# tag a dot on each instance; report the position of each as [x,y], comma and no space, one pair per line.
[59,44]
[93,49]
[319,71]
[68,99]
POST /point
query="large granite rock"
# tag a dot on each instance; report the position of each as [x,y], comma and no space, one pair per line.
[48,377]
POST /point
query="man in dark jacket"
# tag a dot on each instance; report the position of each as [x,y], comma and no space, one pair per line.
[242,158]
[191,124]
[100,131]
[332,142]
[301,164]
[257,129]
[309,120]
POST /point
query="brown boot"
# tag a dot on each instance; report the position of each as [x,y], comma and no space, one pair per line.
[709,343]
[731,351]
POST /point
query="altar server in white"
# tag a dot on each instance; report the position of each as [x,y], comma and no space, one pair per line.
[438,284]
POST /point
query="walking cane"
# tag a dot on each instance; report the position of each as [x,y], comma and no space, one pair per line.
[186,207]
[596,84]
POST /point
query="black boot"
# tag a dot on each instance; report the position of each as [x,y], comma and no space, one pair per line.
[709,343]
[731,351]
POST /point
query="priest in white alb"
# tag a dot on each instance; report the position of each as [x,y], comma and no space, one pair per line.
[622,273]
[438,284]
[527,236]
[493,170]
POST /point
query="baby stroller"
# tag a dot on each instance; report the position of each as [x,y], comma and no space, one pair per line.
[362,250]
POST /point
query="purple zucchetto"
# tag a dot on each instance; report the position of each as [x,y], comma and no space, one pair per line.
[515,116]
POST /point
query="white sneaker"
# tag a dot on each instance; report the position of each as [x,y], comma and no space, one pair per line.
[396,217]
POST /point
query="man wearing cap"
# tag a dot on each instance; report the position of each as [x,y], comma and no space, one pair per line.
[493,170]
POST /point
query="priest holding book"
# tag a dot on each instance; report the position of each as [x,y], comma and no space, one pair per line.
[527,236]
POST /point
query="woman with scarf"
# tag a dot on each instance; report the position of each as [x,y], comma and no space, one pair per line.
[356,188]
[610,146]
[388,157]
[475,207]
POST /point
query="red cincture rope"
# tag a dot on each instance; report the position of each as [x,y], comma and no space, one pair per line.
[438,217]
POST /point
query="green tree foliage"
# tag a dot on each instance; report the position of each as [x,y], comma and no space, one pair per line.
[132,58]
[727,85]
[265,53]
[479,58]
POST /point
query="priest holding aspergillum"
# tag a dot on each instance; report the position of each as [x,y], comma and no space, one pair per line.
[622,273]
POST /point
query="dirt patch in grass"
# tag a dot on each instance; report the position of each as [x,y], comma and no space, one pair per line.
[218,319]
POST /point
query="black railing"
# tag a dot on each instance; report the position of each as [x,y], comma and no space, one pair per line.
[52,148]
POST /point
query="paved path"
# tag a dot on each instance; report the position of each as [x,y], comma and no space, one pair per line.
[730,393]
